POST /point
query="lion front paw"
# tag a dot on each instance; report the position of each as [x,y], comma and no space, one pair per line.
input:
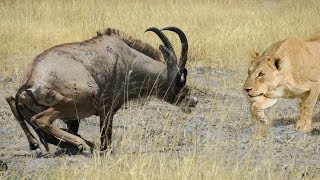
[303,126]
[261,118]
[263,121]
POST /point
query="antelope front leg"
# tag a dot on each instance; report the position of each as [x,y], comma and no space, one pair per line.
[304,123]
[73,126]
[106,119]
[258,104]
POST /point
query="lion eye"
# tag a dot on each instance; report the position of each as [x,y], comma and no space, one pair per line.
[261,74]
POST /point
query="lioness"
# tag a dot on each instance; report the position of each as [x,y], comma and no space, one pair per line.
[288,69]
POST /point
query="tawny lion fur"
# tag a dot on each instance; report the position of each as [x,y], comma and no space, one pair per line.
[287,69]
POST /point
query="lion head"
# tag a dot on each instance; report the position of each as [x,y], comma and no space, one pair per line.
[263,75]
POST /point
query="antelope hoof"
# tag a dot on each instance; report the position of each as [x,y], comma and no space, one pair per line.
[37,153]
[84,149]
[34,146]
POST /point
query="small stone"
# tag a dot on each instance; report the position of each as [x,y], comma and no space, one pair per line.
[3,166]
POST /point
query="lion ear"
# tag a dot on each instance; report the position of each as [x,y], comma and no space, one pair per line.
[276,63]
[254,55]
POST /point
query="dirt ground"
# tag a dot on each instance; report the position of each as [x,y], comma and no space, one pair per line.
[221,124]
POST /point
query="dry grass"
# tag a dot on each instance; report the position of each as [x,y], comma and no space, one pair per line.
[149,146]
[221,35]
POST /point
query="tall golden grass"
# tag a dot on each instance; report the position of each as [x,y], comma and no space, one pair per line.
[221,34]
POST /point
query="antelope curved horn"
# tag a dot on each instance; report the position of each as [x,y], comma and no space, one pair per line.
[163,38]
[184,44]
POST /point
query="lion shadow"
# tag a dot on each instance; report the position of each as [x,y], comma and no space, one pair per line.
[292,121]
[283,122]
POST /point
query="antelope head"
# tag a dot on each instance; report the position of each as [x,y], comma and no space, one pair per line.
[177,92]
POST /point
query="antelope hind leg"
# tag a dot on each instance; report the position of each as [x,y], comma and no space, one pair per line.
[70,149]
[33,142]
[44,121]
[73,127]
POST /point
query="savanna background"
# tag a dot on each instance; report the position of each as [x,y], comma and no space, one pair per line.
[154,140]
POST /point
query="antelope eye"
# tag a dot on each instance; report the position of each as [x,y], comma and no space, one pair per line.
[261,74]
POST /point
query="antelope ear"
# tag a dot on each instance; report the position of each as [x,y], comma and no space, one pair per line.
[254,55]
[276,63]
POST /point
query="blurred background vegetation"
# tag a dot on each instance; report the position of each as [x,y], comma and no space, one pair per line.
[221,33]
